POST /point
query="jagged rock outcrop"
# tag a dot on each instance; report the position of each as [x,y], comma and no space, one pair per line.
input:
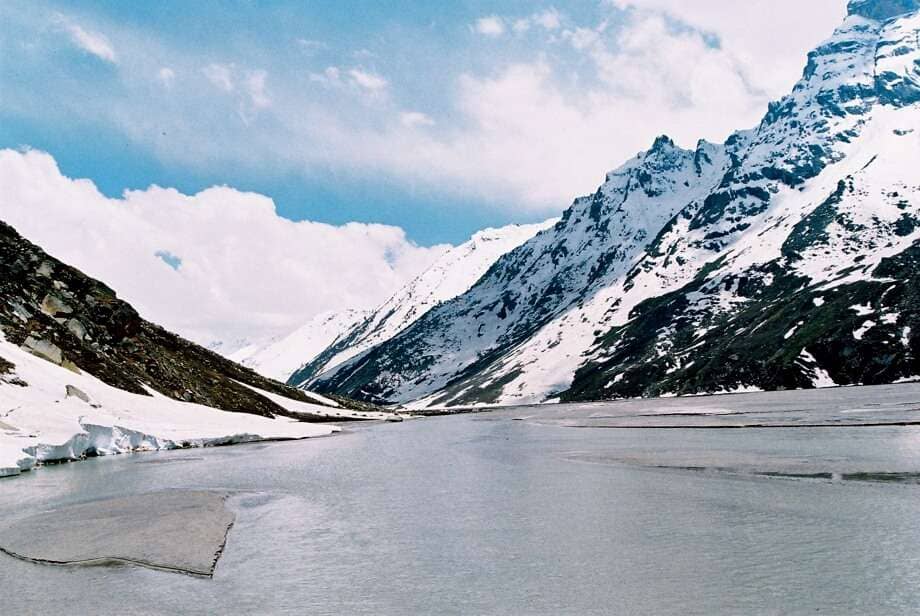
[882,9]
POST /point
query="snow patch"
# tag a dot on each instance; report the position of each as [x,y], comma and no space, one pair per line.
[41,423]
[865,327]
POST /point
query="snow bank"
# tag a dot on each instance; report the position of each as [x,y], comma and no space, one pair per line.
[338,412]
[48,421]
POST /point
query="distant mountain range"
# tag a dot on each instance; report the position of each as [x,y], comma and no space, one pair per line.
[330,339]
[785,257]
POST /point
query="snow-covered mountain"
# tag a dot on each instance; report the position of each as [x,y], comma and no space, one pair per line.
[333,338]
[785,257]
[82,373]
[280,358]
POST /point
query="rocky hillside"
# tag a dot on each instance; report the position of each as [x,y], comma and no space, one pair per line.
[55,312]
[784,257]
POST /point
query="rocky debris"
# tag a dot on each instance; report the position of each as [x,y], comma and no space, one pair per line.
[44,349]
[76,328]
[53,306]
[8,376]
[46,269]
[75,392]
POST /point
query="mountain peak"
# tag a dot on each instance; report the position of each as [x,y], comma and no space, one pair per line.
[881,10]
[663,142]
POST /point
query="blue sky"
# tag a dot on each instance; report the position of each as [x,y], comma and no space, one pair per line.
[440,118]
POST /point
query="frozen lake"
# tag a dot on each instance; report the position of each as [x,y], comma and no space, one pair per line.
[582,509]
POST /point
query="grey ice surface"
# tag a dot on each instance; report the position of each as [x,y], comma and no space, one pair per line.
[484,514]
[882,405]
[182,531]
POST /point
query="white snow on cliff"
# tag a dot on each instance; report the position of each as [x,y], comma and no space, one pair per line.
[281,357]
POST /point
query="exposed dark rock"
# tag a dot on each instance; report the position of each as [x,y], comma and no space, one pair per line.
[882,9]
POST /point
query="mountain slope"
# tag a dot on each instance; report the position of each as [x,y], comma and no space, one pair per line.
[781,258]
[280,358]
[452,274]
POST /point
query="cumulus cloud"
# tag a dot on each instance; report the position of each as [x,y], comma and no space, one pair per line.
[367,80]
[547,128]
[769,36]
[544,133]
[540,139]
[94,43]
[548,19]
[493,25]
[215,266]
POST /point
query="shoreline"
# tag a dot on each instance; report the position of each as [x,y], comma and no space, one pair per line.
[30,462]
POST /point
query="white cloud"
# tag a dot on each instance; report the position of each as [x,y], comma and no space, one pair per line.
[92,42]
[548,19]
[255,86]
[221,76]
[247,86]
[770,37]
[545,117]
[355,78]
[331,76]
[367,80]
[541,139]
[521,25]
[241,271]
[543,133]
[415,118]
[582,38]
[493,25]
[166,76]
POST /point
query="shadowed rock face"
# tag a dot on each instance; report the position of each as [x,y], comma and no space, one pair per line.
[882,9]
[177,531]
